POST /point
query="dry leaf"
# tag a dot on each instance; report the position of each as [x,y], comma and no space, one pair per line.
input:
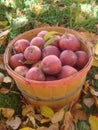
[54,126]
[2,66]
[7,79]
[32,119]
[93,121]
[93,92]
[1,77]
[46,111]
[79,114]
[27,109]
[95,100]
[7,112]
[42,128]
[68,121]
[88,102]
[89,36]
[58,116]
[96,76]
[27,128]
[3,37]
[4,90]
[14,123]
[45,121]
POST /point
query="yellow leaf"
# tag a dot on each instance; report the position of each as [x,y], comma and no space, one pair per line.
[46,111]
[3,37]
[3,23]
[7,112]
[26,128]
[93,121]
[27,109]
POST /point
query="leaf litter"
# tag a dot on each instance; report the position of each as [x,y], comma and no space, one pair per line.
[80,115]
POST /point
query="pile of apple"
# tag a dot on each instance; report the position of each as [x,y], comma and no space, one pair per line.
[48,56]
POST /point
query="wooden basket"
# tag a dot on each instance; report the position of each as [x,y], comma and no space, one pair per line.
[55,93]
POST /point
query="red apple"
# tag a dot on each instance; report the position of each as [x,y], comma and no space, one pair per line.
[20,45]
[51,65]
[68,57]
[66,71]
[82,58]
[37,41]
[22,70]
[50,50]
[42,33]
[69,42]
[35,73]
[16,60]
[32,54]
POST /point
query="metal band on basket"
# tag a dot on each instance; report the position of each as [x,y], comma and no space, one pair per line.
[52,98]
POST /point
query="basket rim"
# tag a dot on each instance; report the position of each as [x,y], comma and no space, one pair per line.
[16,75]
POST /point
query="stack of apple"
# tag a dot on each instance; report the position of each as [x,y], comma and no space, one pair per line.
[48,56]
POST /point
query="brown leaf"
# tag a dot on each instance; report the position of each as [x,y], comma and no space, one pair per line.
[96,100]
[96,76]
[2,126]
[2,66]
[54,126]
[27,109]
[1,77]
[7,112]
[4,90]
[88,102]
[3,37]
[68,121]
[93,92]
[79,114]
[14,123]
[89,36]
[58,116]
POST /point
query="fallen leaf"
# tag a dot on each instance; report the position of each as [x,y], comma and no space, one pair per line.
[3,37]
[32,119]
[7,112]
[68,121]
[88,35]
[27,109]
[96,76]
[93,121]
[88,102]
[79,114]
[46,111]
[14,123]
[54,126]
[58,116]
[4,90]
[46,120]
[26,128]
[43,128]
[95,100]
[2,66]
[7,79]
[1,77]
[93,92]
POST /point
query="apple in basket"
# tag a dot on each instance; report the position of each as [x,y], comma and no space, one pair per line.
[50,50]
[48,56]
[70,42]
[20,45]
